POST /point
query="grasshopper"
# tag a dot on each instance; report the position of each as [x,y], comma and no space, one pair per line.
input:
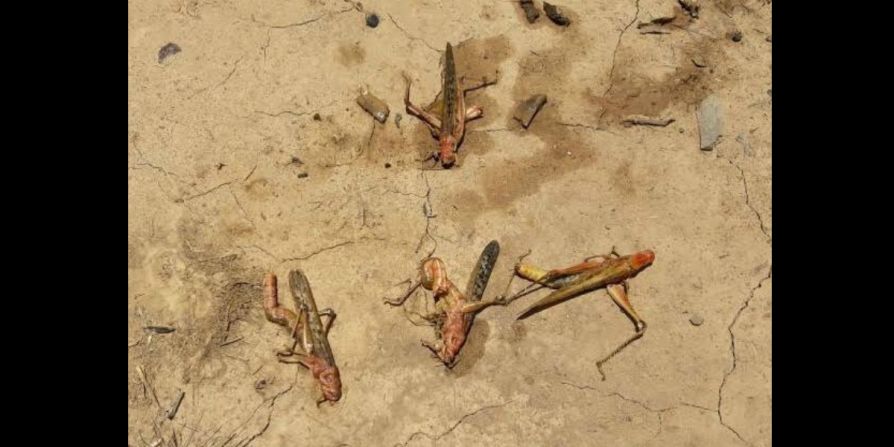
[455,310]
[446,117]
[307,329]
[610,271]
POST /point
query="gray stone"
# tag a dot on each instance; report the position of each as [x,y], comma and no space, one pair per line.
[710,122]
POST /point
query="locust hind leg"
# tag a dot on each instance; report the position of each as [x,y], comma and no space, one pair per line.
[433,122]
[539,278]
[618,293]
[274,312]
[505,299]
[476,307]
[302,335]
[474,112]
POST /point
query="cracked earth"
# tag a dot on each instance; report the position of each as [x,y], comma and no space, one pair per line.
[247,153]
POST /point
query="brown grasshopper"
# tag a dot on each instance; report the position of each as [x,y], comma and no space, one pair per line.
[446,117]
[610,271]
[456,310]
[308,330]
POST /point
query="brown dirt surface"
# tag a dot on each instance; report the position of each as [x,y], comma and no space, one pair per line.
[230,175]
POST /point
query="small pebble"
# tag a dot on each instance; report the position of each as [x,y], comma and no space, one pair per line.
[555,15]
[531,12]
[387,165]
[527,110]
[302,175]
[317,117]
[372,20]
[374,106]
[736,36]
[167,51]
[710,122]
[696,320]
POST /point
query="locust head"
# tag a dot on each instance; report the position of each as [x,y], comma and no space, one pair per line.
[447,151]
[330,383]
[434,276]
[642,259]
[328,377]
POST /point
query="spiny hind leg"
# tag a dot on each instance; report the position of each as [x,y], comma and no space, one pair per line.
[433,122]
[474,112]
[618,293]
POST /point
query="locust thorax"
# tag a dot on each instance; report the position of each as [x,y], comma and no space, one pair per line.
[642,259]
[447,151]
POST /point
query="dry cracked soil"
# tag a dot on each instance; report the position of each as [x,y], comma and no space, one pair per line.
[247,153]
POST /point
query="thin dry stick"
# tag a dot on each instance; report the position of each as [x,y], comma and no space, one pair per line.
[148,385]
[172,411]
[231,341]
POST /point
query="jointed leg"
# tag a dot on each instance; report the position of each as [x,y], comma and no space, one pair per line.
[331,314]
[484,83]
[481,305]
[402,299]
[303,337]
[618,293]
[433,122]
[274,312]
[473,113]
[605,257]
[433,347]
[294,357]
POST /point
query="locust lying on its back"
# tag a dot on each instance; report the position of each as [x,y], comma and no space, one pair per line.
[455,310]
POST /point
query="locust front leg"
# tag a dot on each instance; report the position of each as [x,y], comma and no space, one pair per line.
[403,298]
[618,293]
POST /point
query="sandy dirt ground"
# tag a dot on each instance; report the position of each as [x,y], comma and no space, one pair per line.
[247,153]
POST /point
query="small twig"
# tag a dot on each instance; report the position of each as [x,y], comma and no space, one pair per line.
[231,341]
[428,213]
[159,329]
[637,120]
[172,411]
[148,385]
